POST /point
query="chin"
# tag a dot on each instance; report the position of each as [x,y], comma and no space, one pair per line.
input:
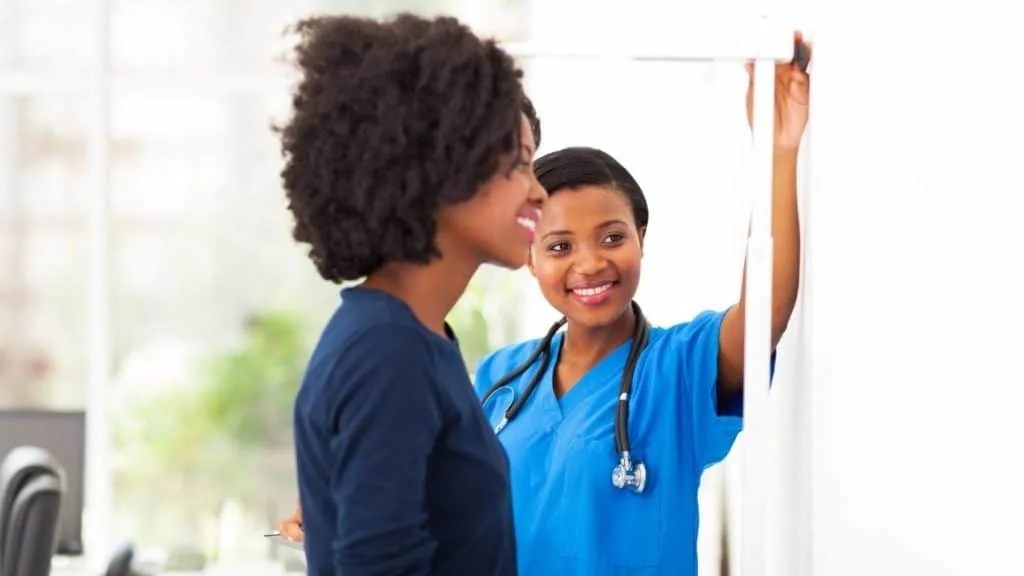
[510,262]
[593,317]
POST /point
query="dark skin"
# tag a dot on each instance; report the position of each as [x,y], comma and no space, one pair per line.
[431,291]
[588,237]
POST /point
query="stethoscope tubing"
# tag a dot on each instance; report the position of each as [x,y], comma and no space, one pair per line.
[543,351]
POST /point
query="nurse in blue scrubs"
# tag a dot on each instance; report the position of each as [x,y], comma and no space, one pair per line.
[555,401]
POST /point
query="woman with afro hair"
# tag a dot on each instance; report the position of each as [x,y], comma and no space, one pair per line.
[408,164]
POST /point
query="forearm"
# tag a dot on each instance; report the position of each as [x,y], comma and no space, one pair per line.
[786,243]
[384,547]
[791,118]
[786,240]
[785,276]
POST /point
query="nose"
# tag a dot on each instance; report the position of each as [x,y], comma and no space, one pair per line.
[537,194]
[589,261]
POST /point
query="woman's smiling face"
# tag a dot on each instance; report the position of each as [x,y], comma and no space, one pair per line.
[587,254]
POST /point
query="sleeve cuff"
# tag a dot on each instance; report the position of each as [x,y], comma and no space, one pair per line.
[734,406]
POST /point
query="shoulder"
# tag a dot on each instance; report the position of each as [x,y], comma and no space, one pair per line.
[501,362]
[384,353]
[362,369]
[362,338]
[683,342]
[386,342]
[370,328]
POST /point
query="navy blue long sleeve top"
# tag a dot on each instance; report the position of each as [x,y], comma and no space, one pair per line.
[399,472]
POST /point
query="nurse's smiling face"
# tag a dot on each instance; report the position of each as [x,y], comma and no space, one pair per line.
[587,254]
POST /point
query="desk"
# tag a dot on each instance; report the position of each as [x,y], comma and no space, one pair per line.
[64,566]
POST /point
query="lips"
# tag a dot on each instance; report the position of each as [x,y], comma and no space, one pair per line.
[528,218]
[593,293]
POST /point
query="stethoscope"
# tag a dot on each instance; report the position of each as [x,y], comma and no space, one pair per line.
[627,473]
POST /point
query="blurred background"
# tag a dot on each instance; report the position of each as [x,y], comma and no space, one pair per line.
[148,277]
[155,313]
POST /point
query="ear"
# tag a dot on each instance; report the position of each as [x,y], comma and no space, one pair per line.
[643,234]
[529,262]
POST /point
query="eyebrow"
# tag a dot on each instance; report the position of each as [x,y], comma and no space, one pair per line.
[604,224]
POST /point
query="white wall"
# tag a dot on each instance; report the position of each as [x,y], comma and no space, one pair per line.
[917,265]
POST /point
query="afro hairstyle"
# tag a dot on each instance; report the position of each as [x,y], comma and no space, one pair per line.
[391,121]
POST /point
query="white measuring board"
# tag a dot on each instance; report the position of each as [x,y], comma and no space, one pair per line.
[700,41]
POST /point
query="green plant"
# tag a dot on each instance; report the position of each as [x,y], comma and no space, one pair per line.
[227,438]
[247,403]
[249,392]
[484,317]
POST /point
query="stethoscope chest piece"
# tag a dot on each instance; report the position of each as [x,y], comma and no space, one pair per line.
[629,474]
[503,421]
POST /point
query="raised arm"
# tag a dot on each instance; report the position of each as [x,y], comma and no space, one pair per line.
[791,105]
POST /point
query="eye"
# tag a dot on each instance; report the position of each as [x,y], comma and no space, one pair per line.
[614,238]
[520,164]
[559,247]
[524,160]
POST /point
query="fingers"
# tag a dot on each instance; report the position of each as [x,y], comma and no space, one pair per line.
[799,77]
[784,75]
[291,528]
[291,531]
[803,52]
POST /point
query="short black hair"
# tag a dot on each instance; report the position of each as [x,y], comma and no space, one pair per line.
[576,167]
[391,121]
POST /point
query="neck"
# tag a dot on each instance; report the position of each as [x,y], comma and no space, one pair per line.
[429,290]
[587,346]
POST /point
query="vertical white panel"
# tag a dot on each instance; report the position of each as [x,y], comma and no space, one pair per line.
[99,481]
[757,336]
[789,466]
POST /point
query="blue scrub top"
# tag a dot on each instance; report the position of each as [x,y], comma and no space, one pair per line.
[569,518]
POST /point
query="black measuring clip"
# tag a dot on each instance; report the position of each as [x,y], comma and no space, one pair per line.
[801,56]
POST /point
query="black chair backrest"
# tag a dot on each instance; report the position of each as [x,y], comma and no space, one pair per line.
[20,466]
[17,473]
[32,535]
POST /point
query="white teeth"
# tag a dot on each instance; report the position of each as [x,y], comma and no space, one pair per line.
[591,291]
[527,223]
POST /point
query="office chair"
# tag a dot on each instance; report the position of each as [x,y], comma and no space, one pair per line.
[32,538]
[31,494]
[121,561]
